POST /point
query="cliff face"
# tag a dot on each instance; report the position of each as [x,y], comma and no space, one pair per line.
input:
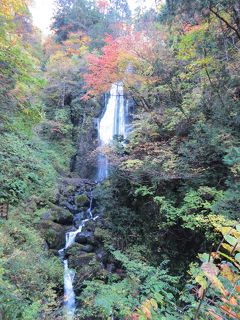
[84,161]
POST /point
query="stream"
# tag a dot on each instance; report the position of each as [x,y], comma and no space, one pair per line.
[113,123]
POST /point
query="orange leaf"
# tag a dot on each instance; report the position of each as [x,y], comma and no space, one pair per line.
[147,312]
[215,316]
[233,301]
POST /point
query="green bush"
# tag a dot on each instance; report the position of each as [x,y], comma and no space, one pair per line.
[29,167]
[28,274]
[120,296]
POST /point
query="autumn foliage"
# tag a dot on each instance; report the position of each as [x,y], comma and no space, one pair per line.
[103,5]
[9,8]
[134,51]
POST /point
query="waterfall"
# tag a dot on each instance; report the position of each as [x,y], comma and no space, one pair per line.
[69,294]
[113,123]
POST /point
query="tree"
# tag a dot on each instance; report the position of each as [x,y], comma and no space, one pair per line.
[129,58]
[80,15]
[119,10]
[9,8]
[227,12]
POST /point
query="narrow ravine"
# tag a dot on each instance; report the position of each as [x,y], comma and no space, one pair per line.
[113,123]
[69,294]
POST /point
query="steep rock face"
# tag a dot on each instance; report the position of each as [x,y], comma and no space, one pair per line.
[85,159]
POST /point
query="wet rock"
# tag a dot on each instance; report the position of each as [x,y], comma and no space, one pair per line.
[80,259]
[74,250]
[77,250]
[88,248]
[85,237]
[53,233]
[72,229]
[71,207]
[78,218]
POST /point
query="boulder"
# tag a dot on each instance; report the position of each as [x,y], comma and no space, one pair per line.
[53,233]
[91,271]
[85,237]
[59,215]
[77,249]
[71,207]
[78,218]
[80,259]
[62,216]
[88,248]
[74,250]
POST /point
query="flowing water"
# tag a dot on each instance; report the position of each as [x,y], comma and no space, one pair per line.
[113,122]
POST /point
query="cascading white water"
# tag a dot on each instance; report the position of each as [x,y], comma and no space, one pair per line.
[112,123]
[114,119]
[69,295]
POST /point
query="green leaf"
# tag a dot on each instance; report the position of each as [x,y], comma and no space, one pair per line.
[237,257]
[205,257]
[231,240]
[201,280]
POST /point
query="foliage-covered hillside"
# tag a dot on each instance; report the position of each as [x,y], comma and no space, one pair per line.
[169,232]
[29,168]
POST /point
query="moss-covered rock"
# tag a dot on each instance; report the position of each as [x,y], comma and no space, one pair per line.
[53,233]
[86,237]
[74,250]
[81,200]
[80,259]
[61,215]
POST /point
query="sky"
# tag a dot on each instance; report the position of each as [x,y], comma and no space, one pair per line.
[42,12]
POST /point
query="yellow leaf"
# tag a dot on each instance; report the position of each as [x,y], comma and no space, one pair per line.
[147,312]
[201,280]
